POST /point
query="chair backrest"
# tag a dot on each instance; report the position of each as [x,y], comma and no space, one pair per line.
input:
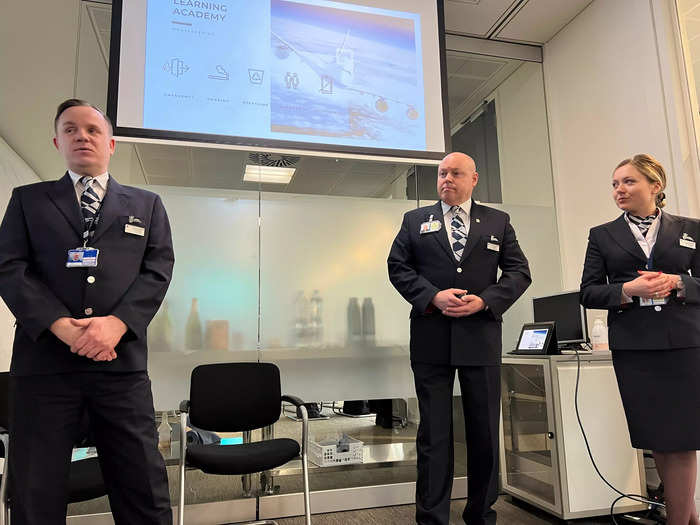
[234,397]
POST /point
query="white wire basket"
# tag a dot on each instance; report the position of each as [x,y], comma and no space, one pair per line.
[330,452]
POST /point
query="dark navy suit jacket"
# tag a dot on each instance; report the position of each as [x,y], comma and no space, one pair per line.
[420,265]
[613,258]
[42,222]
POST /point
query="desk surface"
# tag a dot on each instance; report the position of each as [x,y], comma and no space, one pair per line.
[598,355]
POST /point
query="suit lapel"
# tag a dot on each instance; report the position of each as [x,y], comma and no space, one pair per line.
[114,203]
[477,229]
[621,233]
[62,194]
[441,237]
[669,232]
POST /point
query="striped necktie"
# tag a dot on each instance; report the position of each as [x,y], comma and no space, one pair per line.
[459,233]
[90,206]
[643,223]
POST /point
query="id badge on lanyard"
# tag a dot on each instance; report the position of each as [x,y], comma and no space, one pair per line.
[84,256]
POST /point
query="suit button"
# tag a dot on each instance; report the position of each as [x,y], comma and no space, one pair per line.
[88,311]
[91,279]
[459,270]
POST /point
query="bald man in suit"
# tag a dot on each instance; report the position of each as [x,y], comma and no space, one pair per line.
[445,262]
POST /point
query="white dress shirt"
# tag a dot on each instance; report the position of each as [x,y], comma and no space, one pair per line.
[646,243]
[100,185]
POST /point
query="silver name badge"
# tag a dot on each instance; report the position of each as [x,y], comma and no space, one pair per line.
[687,241]
[134,230]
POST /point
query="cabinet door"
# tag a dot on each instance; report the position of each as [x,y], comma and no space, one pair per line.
[603,418]
[528,460]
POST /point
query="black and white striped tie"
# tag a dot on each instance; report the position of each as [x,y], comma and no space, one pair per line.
[643,223]
[89,205]
[459,233]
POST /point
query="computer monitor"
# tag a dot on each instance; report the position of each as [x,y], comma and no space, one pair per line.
[566,311]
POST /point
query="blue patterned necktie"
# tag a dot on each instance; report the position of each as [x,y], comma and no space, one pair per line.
[459,233]
[90,206]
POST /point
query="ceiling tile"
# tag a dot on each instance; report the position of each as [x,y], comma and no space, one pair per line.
[539,20]
[474,18]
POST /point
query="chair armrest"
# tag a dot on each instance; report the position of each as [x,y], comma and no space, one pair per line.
[185,406]
[294,400]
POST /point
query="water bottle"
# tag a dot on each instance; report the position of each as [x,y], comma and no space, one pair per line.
[354,322]
[599,336]
[164,433]
[302,319]
[368,321]
[193,328]
[316,319]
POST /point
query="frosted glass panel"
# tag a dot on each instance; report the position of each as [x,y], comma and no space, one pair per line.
[536,228]
[355,348]
[215,236]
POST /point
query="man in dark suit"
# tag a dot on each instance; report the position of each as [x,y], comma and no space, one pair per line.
[445,261]
[80,339]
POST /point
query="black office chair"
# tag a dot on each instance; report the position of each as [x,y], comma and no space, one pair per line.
[85,477]
[238,397]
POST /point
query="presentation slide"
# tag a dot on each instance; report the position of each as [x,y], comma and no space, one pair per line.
[303,71]
[533,339]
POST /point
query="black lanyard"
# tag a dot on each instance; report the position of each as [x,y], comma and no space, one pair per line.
[90,226]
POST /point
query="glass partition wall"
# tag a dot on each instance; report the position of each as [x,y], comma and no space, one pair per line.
[295,273]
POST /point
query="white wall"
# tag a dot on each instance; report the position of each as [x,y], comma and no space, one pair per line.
[523,142]
[605,102]
[50,53]
[614,88]
[13,172]
[38,40]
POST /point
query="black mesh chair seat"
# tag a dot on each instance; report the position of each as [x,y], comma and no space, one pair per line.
[85,480]
[242,459]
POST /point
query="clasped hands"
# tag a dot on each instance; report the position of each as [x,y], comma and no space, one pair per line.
[652,285]
[455,302]
[94,337]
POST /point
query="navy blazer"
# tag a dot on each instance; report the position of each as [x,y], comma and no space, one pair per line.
[613,258]
[42,222]
[420,265]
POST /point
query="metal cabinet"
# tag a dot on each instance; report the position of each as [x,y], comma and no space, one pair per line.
[543,456]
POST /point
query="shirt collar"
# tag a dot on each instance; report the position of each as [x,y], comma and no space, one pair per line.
[656,219]
[100,179]
[466,206]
